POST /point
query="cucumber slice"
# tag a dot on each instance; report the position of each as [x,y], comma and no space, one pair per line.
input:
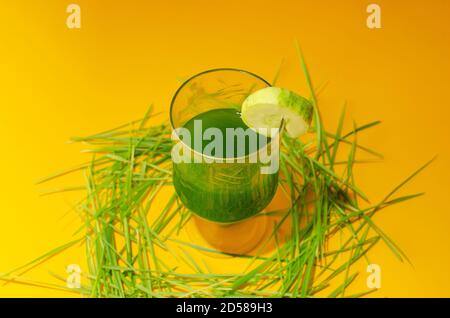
[266,108]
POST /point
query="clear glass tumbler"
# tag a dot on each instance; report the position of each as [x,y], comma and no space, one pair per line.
[232,190]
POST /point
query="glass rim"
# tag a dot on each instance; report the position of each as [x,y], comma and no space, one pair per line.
[198,75]
[177,92]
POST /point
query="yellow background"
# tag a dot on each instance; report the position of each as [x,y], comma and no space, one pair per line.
[56,83]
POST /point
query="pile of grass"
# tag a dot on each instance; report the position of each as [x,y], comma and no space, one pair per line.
[128,240]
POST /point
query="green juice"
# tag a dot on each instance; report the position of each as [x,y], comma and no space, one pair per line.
[224,192]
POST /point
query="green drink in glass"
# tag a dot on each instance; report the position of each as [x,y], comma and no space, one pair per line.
[228,183]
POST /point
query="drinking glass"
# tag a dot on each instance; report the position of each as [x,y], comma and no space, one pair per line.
[220,192]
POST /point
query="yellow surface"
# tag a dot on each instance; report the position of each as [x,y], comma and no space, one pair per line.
[56,83]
